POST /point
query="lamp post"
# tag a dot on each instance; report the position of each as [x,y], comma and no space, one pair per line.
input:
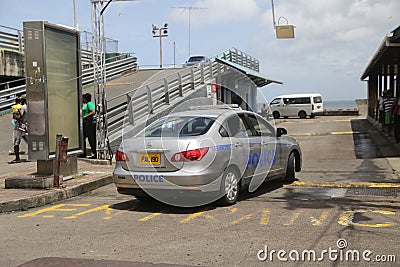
[160,32]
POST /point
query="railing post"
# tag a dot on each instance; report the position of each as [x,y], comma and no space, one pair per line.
[20,47]
[210,67]
[201,73]
[191,78]
[149,100]
[130,110]
[166,93]
[180,87]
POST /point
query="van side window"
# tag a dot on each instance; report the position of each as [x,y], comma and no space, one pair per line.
[317,99]
[276,101]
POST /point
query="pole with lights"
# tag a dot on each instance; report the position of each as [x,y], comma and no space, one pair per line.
[160,32]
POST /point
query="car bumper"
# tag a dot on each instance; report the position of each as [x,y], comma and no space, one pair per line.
[206,181]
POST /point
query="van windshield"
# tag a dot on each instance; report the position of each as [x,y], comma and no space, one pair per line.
[317,99]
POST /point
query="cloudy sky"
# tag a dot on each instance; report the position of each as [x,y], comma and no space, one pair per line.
[335,39]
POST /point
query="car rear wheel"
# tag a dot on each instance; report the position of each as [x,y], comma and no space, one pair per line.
[302,114]
[290,168]
[276,114]
[230,187]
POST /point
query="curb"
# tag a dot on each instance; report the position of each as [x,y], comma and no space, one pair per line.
[54,196]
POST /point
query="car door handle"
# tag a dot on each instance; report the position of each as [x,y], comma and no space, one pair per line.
[238,145]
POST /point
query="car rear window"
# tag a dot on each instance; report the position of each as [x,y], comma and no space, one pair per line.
[178,127]
[196,59]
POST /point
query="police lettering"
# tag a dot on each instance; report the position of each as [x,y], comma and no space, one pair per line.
[148,178]
[264,159]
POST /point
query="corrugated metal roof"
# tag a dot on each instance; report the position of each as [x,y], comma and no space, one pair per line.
[387,53]
[258,78]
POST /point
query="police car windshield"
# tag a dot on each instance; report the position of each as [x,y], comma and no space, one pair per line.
[178,127]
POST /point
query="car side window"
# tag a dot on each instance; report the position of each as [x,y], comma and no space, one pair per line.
[223,132]
[238,127]
[261,127]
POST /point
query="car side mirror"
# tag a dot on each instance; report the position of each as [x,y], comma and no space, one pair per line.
[280,132]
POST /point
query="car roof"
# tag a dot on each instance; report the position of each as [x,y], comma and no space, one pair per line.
[211,113]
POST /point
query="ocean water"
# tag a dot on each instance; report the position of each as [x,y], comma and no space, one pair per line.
[333,105]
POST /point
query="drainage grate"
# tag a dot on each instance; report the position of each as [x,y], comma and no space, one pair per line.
[365,191]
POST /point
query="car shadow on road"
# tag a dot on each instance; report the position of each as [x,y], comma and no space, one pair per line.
[154,206]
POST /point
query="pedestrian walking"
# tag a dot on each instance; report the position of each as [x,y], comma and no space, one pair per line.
[89,125]
[388,103]
[17,132]
[382,110]
[396,119]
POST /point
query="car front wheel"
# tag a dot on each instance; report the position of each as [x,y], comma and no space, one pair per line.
[230,187]
[290,168]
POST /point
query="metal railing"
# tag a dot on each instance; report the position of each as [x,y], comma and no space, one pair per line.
[131,110]
[11,38]
[236,56]
[134,108]
[116,67]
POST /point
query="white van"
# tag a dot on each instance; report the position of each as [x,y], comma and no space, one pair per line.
[297,105]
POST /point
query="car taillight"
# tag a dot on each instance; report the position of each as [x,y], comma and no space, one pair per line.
[190,155]
[121,156]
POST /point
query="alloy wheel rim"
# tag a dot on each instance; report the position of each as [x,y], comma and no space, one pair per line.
[231,186]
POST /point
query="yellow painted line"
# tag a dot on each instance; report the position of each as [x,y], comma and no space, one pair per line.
[232,210]
[192,216]
[346,184]
[48,216]
[117,84]
[294,218]
[340,121]
[246,217]
[325,133]
[58,207]
[264,217]
[346,218]
[318,222]
[110,216]
[344,133]
[386,212]
[104,207]
[151,216]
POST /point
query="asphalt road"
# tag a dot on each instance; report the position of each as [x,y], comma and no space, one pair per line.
[325,211]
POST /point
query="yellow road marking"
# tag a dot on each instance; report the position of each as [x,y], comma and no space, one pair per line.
[264,217]
[346,184]
[104,207]
[232,210]
[192,216]
[48,216]
[58,207]
[117,84]
[344,133]
[294,218]
[108,212]
[246,217]
[318,222]
[346,218]
[151,216]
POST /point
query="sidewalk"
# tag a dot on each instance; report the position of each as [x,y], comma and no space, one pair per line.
[90,176]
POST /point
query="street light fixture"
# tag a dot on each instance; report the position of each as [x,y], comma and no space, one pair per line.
[160,32]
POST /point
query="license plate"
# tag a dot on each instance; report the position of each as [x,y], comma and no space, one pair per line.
[150,159]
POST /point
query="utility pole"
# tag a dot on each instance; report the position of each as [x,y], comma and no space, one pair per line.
[103,150]
[162,32]
[189,8]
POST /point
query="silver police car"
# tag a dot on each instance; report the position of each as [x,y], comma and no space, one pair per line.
[213,151]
